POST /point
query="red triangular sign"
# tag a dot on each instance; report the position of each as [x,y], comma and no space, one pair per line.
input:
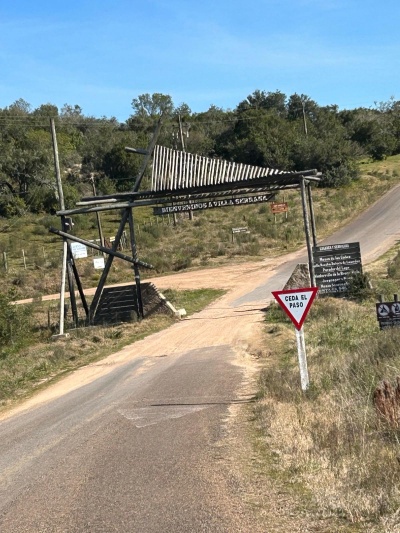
[296,303]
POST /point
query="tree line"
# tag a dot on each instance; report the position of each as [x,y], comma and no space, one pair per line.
[266,129]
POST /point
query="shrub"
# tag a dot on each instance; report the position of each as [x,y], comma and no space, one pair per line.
[14,323]
[393,268]
[360,287]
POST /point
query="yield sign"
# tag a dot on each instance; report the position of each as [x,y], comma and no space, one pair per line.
[296,303]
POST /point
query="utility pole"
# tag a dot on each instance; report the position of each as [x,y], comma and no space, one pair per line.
[304,118]
[65,242]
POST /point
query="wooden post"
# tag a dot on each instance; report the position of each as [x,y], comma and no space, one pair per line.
[72,293]
[304,119]
[78,283]
[148,153]
[301,351]
[103,278]
[139,300]
[24,259]
[62,207]
[184,150]
[97,214]
[307,231]
[5,261]
[311,206]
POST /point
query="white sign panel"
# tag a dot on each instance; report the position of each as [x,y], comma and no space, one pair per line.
[78,250]
[98,262]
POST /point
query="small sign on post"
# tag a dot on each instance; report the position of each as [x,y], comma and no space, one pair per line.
[296,303]
[78,250]
[239,230]
[279,207]
[98,262]
[388,314]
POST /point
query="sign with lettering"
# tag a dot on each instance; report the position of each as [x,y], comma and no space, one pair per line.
[211,204]
[333,266]
[78,250]
[281,207]
[98,262]
[296,303]
[241,230]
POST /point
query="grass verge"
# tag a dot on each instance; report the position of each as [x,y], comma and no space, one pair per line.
[332,442]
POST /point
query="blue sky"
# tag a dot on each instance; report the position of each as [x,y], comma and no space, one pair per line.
[101,54]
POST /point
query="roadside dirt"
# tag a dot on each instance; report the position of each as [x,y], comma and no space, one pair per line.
[218,324]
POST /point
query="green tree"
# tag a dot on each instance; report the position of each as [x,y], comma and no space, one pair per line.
[153,106]
[121,167]
[275,101]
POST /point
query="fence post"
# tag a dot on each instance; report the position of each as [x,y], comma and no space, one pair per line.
[5,261]
[23,257]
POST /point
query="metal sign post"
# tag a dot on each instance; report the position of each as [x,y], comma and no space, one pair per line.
[296,303]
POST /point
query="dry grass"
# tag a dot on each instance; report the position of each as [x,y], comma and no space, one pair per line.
[331,439]
[205,241]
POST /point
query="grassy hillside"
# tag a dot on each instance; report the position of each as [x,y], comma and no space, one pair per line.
[33,255]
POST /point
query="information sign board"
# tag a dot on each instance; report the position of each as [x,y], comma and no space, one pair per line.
[333,266]
[277,207]
[78,250]
[241,230]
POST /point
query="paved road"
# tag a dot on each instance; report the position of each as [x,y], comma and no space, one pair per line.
[140,442]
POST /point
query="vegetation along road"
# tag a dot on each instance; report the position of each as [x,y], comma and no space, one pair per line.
[151,438]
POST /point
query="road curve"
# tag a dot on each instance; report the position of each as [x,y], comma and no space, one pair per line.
[140,442]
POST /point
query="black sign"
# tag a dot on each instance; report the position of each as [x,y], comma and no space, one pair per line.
[210,204]
[388,314]
[333,266]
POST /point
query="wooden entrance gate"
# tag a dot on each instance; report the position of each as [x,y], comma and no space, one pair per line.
[180,181]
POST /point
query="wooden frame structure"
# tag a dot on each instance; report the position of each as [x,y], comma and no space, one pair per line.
[181,179]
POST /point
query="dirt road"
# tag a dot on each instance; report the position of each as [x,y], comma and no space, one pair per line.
[153,438]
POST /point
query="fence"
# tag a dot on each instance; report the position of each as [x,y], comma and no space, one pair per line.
[45,257]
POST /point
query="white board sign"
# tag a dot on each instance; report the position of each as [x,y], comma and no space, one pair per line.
[78,250]
[98,262]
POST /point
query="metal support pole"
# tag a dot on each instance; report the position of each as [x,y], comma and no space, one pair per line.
[307,231]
